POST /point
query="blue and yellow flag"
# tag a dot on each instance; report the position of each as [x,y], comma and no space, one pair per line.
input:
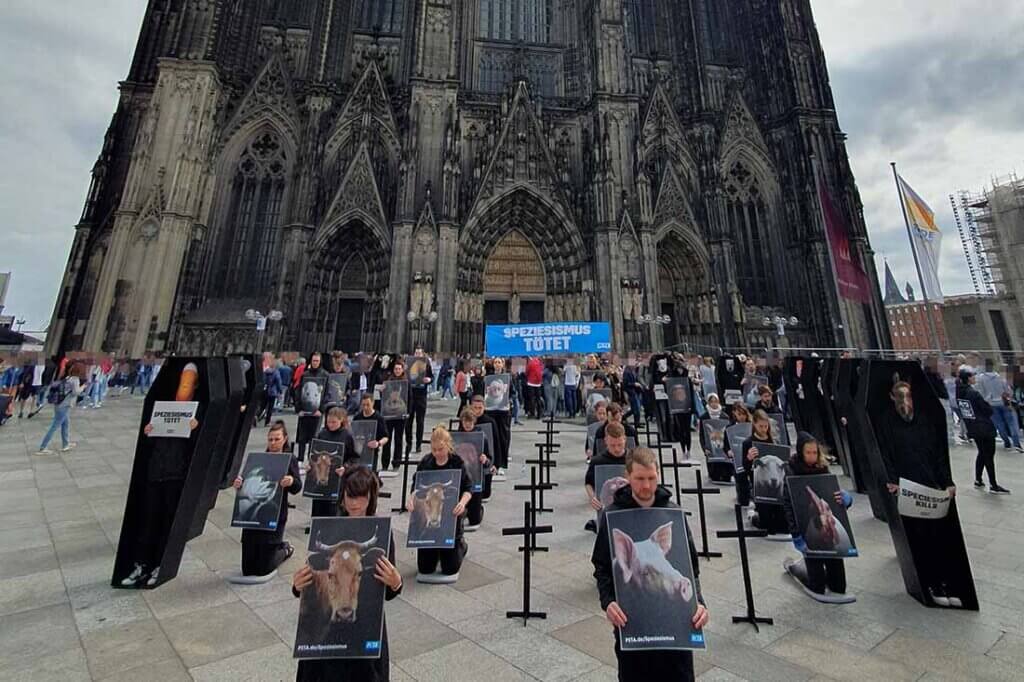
[925,239]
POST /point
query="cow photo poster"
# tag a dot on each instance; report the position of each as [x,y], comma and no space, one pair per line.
[258,501]
[311,394]
[769,472]
[608,478]
[716,439]
[822,520]
[322,479]
[497,394]
[335,391]
[341,613]
[363,431]
[394,399]
[678,391]
[432,522]
[469,445]
[653,577]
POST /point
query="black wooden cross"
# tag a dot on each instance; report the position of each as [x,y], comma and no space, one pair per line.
[528,530]
[741,533]
[534,487]
[700,491]
[545,463]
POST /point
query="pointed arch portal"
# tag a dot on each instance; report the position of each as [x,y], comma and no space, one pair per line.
[514,282]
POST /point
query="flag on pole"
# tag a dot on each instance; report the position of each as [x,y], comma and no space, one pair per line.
[851,280]
[925,239]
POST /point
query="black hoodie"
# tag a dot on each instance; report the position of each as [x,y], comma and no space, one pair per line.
[798,467]
[602,554]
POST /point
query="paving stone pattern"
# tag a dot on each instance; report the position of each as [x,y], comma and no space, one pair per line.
[60,620]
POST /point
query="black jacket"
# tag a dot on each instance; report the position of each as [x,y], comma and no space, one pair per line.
[602,554]
[914,450]
[981,426]
[345,438]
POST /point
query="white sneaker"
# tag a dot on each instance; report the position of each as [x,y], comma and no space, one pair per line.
[154,577]
[135,576]
[955,602]
[940,599]
[45,451]
[70,446]
[500,476]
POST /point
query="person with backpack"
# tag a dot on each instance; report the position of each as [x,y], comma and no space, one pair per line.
[62,394]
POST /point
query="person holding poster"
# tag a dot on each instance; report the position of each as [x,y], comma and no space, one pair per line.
[977,414]
[501,417]
[823,579]
[418,387]
[762,433]
[719,472]
[367,412]
[486,424]
[475,509]
[644,492]
[335,431]
[615,453]
[359,491]
[263,551]
[309,418]
[397,405]
[615,415]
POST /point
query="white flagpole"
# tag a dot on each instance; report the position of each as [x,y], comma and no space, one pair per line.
[917,261]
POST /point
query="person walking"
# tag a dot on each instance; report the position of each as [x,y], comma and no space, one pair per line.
[977,412]
[63,393]
[996,392]
[571,379]
[272,390]
[534,384]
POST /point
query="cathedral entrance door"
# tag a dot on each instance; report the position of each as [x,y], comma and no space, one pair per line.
[349,332]
[495,312]
[514,272]
[531,312]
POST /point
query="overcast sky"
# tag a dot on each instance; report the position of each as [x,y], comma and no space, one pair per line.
[930,84]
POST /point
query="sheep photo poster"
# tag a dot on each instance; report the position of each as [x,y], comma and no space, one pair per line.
[653,579]
[258,501]
[769,472]
[322,479]
[432,522]
[822,520]
[469,445]
[496,392]
[341,613]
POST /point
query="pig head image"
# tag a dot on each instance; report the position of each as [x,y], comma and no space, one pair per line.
[334,595]
[769,472]
[645,566]
[429,504]
[824,532]
[609,488]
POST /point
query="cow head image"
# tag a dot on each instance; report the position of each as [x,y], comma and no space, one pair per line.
[429,501]
[645,564]
[320,465]
[609,488]
[769,472]
[338,585]
[823,528]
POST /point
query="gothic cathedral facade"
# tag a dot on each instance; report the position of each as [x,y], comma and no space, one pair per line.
[396,172]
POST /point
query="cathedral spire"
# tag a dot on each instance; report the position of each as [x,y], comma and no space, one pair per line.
[892,290]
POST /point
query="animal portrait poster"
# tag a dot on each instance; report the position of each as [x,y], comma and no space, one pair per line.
[469,445]
[715,439]
[737,433]
[311,394]
[394,402]
[432,522]
[337,385]
[653,576]
[488,431]
[363,431]
[322,479]
[769,472]
[678,390]
[341,614]
[496,392]
[780,434]
[258,501]
[608,478]
[822,519]
[416,368]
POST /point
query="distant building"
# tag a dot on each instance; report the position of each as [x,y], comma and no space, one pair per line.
[908,318]
[984,323]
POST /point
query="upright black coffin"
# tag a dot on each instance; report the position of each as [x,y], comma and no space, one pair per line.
[833,415]
[804,399]
[874,390]
[252,396]
[854,434]
[212,396]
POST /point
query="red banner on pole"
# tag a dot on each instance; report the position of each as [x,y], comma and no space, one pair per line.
[851,280]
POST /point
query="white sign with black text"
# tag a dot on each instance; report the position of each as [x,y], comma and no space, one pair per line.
[172,419]
[921,502]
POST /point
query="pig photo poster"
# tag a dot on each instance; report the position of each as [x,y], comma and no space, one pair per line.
[311,394]
[363,431]
[608,478]
[394,400]
[822,521]
[496,392]
[769,472]
[432,522]
[653,579]
[341,614]
[715,439]
[469,445]
[322,479]
[258,502]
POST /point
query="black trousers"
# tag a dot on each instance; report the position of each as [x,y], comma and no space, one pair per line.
[681,427]
[161,505]
[986,459]
[418,412]
[475,509]
[720,471]
[822,573]
[485,494]
[653,666]
[502,437]
[266,409]
[744,484]
[929,544]
[305,431]
[260,558]
[533,401]
[396,427]
[450,560]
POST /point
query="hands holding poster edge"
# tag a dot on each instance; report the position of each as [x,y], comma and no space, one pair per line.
[617,617]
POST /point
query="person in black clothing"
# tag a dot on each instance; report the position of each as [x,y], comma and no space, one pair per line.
[359,491]
[766,403]
[615,416]
[262,550]
[309,423]
[475,509]
[418,406]
[977,413]
[913,448]
[396,426]
[643,491]
[720,472]
[615,453]
[335,431]
[761,432]
[769,517]
[633,388]
[482,418]
[502,426]
[817,575]
[367,412]
[442,456]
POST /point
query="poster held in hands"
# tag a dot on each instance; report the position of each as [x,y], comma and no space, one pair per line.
[335,391]
[432,523]
[608,478]
[341,613]
[737,434]
[780,433]
[394,403]
[172,419]
[715,436]
[364,431]
[311,394]
[922,502]
[258,502]
[416,368]
[497,393]
[823,522]
[769,472]
[654,582]
[322,479]
[469,445]
[678,391]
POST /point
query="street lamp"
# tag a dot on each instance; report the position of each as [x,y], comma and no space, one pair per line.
[261,323]
[780,323]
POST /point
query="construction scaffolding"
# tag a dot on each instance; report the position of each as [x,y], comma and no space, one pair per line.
[991,230]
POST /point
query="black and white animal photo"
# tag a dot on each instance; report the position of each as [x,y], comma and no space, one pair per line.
[469,445]
[432,523]
[714,434]
[322,479]
[258,501]
[394,403]
[364,431]
[769,473]
[311,394]
[496,392]
[341,614]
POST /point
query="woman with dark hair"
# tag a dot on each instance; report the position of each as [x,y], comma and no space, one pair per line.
[335,431]
[980,428]
[359,492]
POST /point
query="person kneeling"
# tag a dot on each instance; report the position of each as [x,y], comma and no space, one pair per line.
[442,457]
[475,508]
[262,550]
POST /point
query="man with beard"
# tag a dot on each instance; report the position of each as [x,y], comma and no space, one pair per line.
[417,405]
[911,448]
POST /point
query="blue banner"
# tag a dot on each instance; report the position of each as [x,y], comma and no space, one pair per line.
[555,338]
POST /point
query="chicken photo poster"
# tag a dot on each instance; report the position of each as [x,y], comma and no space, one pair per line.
[653,577]
[821,516]
[341,612]
[258,501]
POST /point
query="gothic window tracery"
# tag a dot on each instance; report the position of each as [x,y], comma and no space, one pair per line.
[386,16]
[250,235]
[647,27]
[528,21]
[748,215]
